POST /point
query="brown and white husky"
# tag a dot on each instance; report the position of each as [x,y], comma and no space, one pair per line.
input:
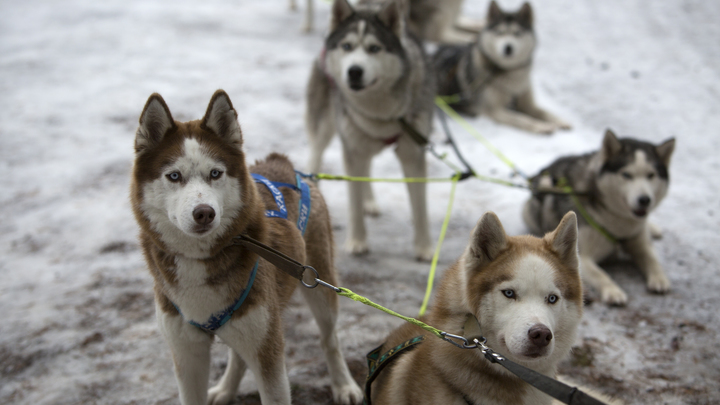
[192,192]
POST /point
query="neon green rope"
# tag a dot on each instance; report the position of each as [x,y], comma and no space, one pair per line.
[325,176]
[436,256]
[359,298]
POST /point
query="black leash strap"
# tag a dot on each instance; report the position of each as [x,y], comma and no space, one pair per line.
[286,264]
[414,133]
[554,388]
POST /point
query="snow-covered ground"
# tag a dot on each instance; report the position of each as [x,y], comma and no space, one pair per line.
[78,320]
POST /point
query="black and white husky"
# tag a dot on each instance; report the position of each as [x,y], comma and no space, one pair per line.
[370,76]
[619,186]
[492,75]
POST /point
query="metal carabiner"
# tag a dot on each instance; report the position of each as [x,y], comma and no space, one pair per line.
[448,337]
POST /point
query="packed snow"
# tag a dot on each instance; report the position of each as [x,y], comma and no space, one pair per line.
[78,316]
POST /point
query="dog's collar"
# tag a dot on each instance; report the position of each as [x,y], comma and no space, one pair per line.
[219,319]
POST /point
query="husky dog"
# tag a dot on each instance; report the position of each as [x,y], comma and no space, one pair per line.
[191,194]
[492,75]
[370,76]
[620,185]
[522,293]
[431,20]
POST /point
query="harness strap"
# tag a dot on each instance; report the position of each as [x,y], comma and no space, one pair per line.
[377,362]
[281,212]
[219,319]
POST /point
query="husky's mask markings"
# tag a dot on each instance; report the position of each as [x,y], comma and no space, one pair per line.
[492,76]
[370,75]
[624,182]
[192,193]
[526,295]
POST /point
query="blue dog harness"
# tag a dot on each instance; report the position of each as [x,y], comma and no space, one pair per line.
[220,318]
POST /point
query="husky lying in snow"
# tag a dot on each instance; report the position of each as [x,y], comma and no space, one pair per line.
[521,293]
[492,75]
[371,75]
[623,183]
[191,194]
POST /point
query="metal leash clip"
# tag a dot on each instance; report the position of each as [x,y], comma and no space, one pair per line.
[486,351]
[448,337]
[317,280]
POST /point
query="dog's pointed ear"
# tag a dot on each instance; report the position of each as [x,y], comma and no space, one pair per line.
[341,10]
[525,15]
[564,240]
[392,17]
[221,118]
[495,14]
[487,241]
[610,145]
[665,151]
[155,122]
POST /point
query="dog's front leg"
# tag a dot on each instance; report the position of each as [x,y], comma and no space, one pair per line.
[224,392]
[594,276]
[526,103]
[357,164]
[519,120]
[412,159]
[257,337]
[641,250]
[190,349]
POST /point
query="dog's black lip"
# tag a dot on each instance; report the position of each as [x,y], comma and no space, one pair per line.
[360,86]
[640,212]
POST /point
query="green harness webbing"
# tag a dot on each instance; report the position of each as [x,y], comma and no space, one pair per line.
[377,362]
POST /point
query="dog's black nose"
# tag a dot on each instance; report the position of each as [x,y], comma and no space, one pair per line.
[540,335]
[508,50]
[355,73]
[203,214]
[644,201]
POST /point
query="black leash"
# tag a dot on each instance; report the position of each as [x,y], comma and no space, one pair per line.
[554,388]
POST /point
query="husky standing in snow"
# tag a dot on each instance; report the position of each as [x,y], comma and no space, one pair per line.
[620,185]
[192,194]
[492,75]
[430,20]
[370,77]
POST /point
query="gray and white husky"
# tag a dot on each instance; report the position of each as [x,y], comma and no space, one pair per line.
[492,75]
[619,186]
[371,75]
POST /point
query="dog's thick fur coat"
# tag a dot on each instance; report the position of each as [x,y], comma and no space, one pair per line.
[622,183]
[191,194]
[526,295]
[370,75]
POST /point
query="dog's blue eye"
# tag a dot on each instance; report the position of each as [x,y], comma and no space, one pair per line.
[374,49]
[509,293]
[346,46]
[552,298]
[174,176]
[215,173]
[627,176]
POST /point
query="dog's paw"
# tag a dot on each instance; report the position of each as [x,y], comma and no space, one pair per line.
[613,295]
[424,253]
[546,128]
[658,283]
[218,395]
[655,231]
[371,208]
[356,247]
[563,125]
[348,394]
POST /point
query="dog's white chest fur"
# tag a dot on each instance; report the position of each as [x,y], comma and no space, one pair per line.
[195,298]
